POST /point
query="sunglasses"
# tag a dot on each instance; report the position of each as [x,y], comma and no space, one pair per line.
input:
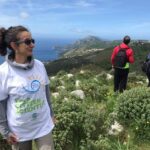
[26,41]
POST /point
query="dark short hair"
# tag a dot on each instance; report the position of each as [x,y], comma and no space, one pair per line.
[126,39]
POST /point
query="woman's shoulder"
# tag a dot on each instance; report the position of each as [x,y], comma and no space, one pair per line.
[38,62]
[4,69]
[3,66]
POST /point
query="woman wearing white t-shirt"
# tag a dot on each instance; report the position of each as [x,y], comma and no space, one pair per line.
[25,108]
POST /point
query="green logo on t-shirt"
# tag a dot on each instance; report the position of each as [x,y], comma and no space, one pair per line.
[28,105]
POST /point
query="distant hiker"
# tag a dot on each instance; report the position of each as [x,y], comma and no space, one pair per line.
[146,68]
[121,57]
[25,109]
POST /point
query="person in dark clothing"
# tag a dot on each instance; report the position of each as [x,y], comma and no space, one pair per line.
[148,76]
[148,72]
[147,61]
[121,73]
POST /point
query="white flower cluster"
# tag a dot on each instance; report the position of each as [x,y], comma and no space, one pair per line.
[109,76]
[82,71]
[115,129]
[77,84]
[55,94]
[78,93]
[69,75]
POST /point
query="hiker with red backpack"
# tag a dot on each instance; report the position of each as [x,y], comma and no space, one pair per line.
[121,57]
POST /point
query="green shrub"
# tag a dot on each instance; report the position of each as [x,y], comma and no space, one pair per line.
[83,124]
[135,81]
[77,122]
[133,110]
[3,144]
[95,92]
[102,143]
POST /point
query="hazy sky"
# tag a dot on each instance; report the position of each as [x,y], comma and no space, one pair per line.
[108,19]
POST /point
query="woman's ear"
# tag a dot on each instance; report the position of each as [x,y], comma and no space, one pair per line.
[14,46]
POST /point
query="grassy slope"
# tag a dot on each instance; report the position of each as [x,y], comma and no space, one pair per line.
[92,75]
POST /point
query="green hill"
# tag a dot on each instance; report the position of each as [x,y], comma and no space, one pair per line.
[98,60]
[86,45]
[92,44]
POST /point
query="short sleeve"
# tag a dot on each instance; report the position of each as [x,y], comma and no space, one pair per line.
[42,70]
[46,76]
[3,93]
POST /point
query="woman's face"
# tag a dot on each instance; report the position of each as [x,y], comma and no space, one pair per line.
[25,44]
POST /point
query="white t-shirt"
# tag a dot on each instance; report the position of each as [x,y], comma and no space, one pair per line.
[28,113]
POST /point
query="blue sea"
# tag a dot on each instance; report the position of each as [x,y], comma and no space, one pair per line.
[45,48]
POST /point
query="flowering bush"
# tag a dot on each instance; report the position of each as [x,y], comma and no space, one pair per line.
[77,122]
[134,110]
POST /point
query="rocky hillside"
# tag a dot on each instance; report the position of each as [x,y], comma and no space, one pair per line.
[86,46]
[98,60]
[92,44]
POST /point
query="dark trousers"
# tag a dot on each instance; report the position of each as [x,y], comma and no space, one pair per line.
[120,79]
